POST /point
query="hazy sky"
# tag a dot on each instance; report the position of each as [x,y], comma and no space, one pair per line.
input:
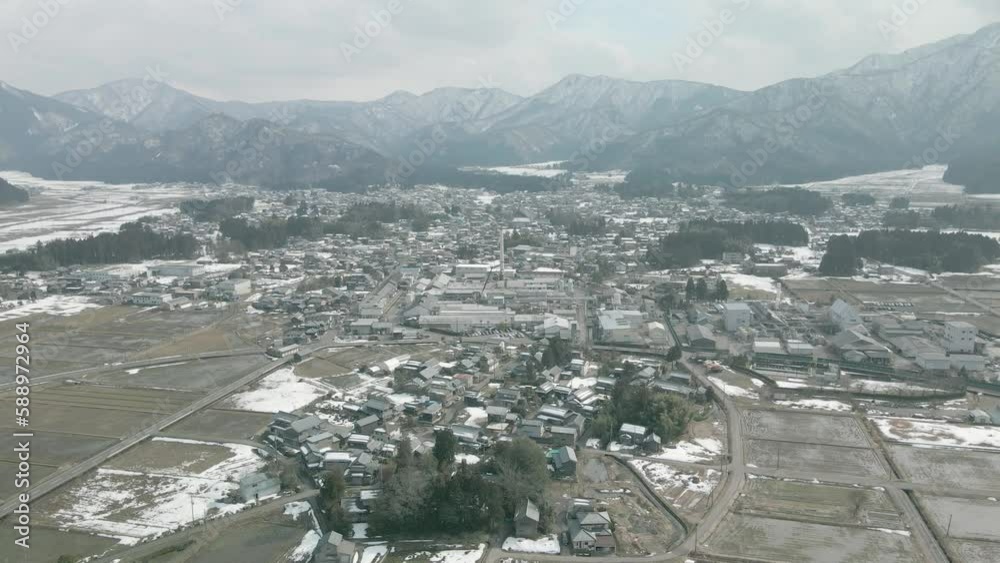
[283,49]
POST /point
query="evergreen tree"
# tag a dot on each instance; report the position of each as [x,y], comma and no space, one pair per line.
[445,446]
[721,290]
[701,289]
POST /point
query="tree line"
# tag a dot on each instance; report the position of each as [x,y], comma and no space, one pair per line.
[927,250]
[856,199]
[701,240]
[133,242]
[576,224]
[793,201]
[499,183]
[634,402]
[949,216]
[434,494]
[215,210]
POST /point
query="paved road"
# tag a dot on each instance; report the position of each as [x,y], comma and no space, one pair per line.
[732,481]
[61,477]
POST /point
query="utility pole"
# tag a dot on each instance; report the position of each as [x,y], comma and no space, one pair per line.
[948,533]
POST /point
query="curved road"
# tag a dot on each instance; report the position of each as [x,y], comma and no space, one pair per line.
[732,481]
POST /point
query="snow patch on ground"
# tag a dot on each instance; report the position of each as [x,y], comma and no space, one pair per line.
[817,404]
[374,553]
[732,390]
[467,458]
[56,305]
[134,505]
[548,544]
[756,283]
[306,547]
[477,416]
[582,382]
[664,478]
[699,449]
[927,433]
[280,391]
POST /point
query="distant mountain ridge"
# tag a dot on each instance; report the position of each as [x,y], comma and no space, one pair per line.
[936,103]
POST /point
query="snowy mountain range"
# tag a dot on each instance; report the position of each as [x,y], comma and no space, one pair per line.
[932,104]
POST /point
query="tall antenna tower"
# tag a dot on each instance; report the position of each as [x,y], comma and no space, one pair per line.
[502,276]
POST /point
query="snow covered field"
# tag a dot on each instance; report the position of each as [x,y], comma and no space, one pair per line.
[135,505]
[303,552]
[927,182]
[64,209]
[733,390]
[539,169]
[56,305]
[666,478]
[547,544]
[928,433]
[816,404]
[699,449]
[755,283]
[280,391]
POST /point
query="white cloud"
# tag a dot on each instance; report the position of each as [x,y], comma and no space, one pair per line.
[292,49]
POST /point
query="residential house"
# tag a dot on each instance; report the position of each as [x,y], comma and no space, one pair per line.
[333,548]
[526,520]
[563,461]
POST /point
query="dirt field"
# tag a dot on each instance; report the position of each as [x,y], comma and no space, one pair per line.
[773,539]
[824,504]
[8,469]
[688,490]
[218,424]
[101,412]
[54,449]
[47,544]
[947,467]
[814,458]
[976,551]
[805,427]
[258,541]
[343,361]
[97,337]
[970,519]
[163,457]
[200,375]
